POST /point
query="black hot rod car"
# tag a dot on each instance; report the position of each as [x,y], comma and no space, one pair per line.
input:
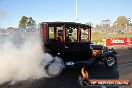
[71,42]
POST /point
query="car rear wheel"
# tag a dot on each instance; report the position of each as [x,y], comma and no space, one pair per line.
[54,68]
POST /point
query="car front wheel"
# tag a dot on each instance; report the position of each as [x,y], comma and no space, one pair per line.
[110,60]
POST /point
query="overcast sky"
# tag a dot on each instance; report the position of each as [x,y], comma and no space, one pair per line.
[62,10]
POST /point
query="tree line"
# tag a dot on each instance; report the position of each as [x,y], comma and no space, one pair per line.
[120,25]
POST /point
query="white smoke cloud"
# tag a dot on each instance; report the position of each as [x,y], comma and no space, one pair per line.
[20,58]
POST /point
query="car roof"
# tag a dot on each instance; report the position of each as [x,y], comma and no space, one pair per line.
[67,23]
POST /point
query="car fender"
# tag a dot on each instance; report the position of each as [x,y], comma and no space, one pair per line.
[107,53]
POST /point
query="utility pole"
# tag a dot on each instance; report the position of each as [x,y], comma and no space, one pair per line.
[76,12]
[129,21]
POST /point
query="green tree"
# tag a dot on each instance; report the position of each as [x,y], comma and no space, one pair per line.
[122,21]
[130,24]
[105,25]
[27,22]
[23,22]
[31,23]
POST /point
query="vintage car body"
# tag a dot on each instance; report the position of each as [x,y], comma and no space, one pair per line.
[68,43]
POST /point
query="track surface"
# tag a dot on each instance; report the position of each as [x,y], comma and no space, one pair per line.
[69,78]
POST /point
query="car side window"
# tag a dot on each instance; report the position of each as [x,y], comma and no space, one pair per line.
[84,35]
[71,34]
[55,33]
[51,32]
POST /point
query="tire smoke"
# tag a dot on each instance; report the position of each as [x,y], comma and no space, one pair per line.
[21,55]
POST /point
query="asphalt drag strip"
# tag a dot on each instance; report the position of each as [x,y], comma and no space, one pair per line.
[69,77]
